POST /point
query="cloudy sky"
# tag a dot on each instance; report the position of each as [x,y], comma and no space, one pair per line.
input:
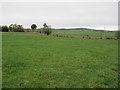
[61,14]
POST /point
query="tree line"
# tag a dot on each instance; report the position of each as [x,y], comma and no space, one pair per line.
[46,29]
[19,28]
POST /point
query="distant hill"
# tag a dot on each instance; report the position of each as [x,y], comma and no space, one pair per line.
[74,29]
[85,29]
[77,29]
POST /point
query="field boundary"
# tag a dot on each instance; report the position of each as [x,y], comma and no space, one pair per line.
[66,36]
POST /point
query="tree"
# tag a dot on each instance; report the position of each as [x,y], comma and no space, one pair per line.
[16,28]
[33,26]
[46,29]
[45,25]
[5,29]
[20,28]
[11,28]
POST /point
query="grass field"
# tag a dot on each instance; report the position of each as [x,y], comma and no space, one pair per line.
[85,33]
[77,33]
[31,61]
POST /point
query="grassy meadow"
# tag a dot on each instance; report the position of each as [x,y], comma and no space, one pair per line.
[33,61]
[82,33]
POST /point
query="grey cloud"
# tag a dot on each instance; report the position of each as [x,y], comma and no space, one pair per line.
[62,14]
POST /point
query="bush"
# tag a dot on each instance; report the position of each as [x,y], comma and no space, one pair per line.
[117,34]
[57,35]
[108,38]
[87,35]
[46,29]
[100,37]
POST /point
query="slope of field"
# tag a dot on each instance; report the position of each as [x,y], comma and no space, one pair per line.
[85,33]
[46,61]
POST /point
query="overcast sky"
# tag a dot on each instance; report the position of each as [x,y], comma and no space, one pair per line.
[61,14]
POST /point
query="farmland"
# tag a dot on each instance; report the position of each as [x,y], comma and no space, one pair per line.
[34,61]
[85,33]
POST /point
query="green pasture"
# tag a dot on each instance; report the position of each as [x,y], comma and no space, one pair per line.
[81,33]
[31,61]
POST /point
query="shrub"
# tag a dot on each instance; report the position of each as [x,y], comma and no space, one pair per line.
[46,29]
[100,37]
[108,38]
[57,35]
[87,35]
[117,34]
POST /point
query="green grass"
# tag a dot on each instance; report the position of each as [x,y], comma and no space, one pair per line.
[85,33]
[57,62]
[80,33]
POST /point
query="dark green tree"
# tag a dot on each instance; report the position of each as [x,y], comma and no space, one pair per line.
[5,29]
[16,28]
[33,26]
[11,28]
[46,29]
[20,28]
